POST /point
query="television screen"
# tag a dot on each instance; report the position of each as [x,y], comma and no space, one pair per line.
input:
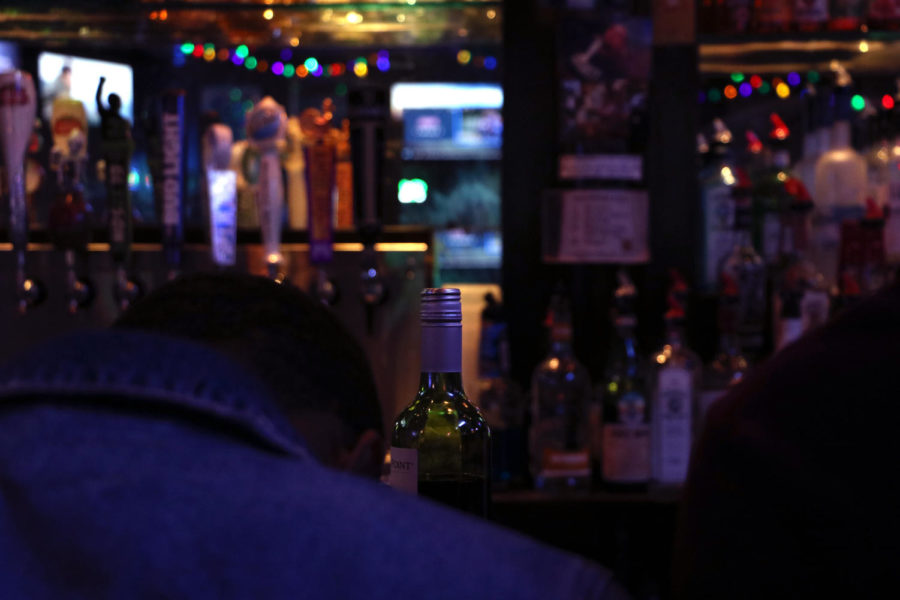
[61,75]
[446,121]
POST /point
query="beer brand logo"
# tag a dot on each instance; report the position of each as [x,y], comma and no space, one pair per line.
[13,95]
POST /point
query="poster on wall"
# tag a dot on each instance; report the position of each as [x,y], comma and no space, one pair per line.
[595,226]
[604,71]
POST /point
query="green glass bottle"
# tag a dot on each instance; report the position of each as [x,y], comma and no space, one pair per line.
[440,447]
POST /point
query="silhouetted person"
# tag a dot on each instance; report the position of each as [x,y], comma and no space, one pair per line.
[135,465]
[792,489]
[318,374]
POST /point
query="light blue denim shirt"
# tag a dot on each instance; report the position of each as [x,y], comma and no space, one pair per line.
[135,466]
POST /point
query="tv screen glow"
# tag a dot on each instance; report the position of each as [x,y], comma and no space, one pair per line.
[80,82]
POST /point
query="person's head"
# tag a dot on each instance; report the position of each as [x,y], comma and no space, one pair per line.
[318,374]
[115,103]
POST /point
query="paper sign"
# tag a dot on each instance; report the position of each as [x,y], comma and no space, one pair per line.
[596,226]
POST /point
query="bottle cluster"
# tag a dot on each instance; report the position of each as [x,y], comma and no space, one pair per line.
[731,17]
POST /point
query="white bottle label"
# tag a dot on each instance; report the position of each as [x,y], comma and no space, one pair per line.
[405,469]
[673,424]
[626,452]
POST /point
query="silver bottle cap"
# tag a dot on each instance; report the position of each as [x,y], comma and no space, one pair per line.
[441,305]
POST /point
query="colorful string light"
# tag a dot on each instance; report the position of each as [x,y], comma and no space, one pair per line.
[730,92]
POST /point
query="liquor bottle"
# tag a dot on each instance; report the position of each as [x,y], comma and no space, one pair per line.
[847,15]
[440,446]
[746,267]
[772,16]
[805,168]
[738,16]
[717,180]
[872,271]
[675,387]
[883,15]
[802,297]
[810,15]
[501,400]
[625,426]
[878,156]
[892,223]
[770,200]
[729,365]
[840,186]
[561,387]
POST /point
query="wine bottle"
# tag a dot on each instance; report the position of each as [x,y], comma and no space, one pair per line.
[440,447]
[625,432]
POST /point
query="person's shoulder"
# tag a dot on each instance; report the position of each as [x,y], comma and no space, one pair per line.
[149,370]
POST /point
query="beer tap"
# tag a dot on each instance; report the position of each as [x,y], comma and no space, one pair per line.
[373,289]
[295,167]
[368,134]
[117,147]
[172,129]
[319,150]
[70,215]
[221,183]
[17,112]
[266,123]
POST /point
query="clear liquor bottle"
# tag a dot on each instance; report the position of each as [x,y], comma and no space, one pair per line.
[746,267]
[717,179]
[676,380]
[558,439]
[729,365]
[770,199]
[440,446]
[625,426]
[840,187]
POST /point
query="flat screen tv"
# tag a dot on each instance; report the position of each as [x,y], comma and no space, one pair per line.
[449,121]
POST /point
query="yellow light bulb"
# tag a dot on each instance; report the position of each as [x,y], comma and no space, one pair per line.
[354,17]
[783,90]
[268,14]
[361,69]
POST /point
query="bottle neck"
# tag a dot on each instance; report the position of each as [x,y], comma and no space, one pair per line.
[840,135]
[811,145]
[675,335]
[561,347]
[441,382]
[781,158]
[441,348]
[628,348]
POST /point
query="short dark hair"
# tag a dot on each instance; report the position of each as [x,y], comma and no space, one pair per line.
[294,343]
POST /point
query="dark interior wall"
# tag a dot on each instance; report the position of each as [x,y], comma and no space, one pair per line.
[529,167]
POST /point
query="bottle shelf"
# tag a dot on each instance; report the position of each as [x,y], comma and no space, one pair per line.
[258,23]
[395,238]
[860,52]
